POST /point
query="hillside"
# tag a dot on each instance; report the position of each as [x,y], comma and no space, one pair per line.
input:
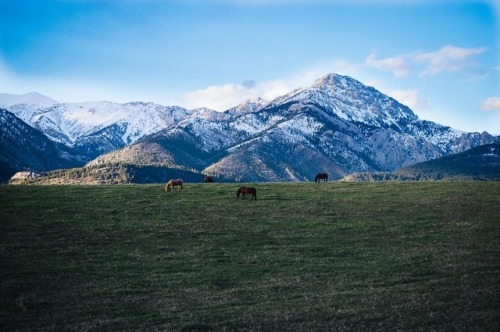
[38,153]
[110,174]
[481,163]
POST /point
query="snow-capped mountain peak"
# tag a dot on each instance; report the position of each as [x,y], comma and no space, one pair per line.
[332,81]
[349,99]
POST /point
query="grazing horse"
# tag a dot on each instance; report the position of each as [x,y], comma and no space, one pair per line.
[174,183]
[246,190]
[208,179]
[321,176]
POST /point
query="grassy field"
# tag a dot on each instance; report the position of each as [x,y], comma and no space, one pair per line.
[303,257]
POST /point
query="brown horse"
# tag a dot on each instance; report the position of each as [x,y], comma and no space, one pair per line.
[246,190]
[321,176]
[208,179]
[174,183]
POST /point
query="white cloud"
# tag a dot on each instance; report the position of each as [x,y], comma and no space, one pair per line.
[223,97]
[448,58]
[491,104]
[397,65]
[410,98]
[219,97]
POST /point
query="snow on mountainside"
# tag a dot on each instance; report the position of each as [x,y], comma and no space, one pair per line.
[75,123]
[250,106]
[352,101]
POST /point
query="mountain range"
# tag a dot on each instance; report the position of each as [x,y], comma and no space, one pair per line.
[337,125]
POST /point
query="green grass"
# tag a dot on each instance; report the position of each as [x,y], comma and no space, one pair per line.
[357,256]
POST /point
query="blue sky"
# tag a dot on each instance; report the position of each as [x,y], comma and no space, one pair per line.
[441,58]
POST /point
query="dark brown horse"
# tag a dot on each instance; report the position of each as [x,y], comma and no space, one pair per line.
[174,183]
[208,179]
[246,190]
[321,176]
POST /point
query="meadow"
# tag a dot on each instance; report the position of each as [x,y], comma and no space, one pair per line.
[303,257]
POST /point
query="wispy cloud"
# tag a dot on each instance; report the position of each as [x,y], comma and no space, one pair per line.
[219,97]
[491,104]
[412,99]
[398,65]
[448,58]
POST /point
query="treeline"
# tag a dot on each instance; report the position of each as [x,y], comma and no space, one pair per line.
[115,173]
[376,176]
